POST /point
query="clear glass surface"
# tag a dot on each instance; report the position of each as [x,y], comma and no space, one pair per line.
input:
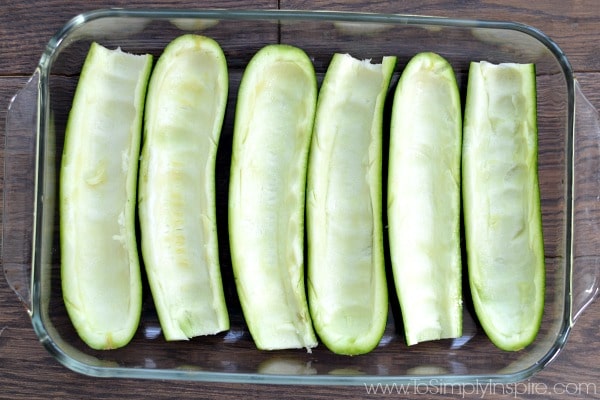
[232,356]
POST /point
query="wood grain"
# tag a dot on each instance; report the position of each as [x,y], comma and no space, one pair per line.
[28,371]
[572,24]
[27,26]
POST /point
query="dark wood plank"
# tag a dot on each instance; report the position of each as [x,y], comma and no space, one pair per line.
[573,25]
[27,26]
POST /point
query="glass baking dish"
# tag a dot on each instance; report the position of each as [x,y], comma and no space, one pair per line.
[569,165]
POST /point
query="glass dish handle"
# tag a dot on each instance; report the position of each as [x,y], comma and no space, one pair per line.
[585,280]
[19,175]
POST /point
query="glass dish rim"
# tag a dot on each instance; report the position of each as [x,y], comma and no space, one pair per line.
[42,73]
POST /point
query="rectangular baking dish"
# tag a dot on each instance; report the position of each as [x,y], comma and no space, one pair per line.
[569,162]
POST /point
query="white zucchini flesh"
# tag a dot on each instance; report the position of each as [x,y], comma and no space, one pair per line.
[503,228]
[185,108]
[273,127]
[424,199]
[100,271]
[346,277]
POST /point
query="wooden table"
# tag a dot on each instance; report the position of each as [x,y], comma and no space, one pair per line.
[27,371]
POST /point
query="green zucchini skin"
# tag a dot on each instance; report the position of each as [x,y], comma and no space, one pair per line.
[100,270]
[185,108]
[423,201]
[503,223]
[272,131]
[346,275]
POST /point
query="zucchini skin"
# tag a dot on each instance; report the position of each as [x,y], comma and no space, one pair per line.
[100,270]
[423,201]
[503,223]
[272,132]
[347,287]
[185,108]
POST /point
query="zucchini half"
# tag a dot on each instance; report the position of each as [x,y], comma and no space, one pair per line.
[424,199]
[100,271]
[185,107]
[503,224]
[273,127]
[346,276]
